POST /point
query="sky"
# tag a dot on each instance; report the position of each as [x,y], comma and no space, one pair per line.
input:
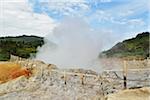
[124,18]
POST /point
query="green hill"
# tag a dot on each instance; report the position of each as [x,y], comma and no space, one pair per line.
[23,46]
[137,47]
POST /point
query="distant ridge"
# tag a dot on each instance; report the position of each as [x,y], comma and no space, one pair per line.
[134,47]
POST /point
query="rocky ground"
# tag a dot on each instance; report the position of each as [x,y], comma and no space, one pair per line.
[131,94]
[48,82]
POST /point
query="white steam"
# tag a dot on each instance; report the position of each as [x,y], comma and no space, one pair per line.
[74,44]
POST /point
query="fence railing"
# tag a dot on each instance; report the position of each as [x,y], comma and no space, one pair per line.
[124,78]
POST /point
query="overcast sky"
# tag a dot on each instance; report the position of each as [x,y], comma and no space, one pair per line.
[39,17]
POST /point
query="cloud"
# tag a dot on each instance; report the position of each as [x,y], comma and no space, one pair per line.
[62,1]
[61,7]
[41,16]
[17,18]
[124,18]
[136,22]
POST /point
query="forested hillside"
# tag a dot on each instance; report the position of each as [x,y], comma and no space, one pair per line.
[137,47]
[23,46]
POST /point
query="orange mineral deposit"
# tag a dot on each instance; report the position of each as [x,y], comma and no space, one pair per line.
[10,71]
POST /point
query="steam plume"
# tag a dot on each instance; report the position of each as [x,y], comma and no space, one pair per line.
[74,44]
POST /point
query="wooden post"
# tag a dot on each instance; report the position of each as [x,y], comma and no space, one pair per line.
[125,74]
[82,79]
[101,86]
[65,78]
[16,61]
